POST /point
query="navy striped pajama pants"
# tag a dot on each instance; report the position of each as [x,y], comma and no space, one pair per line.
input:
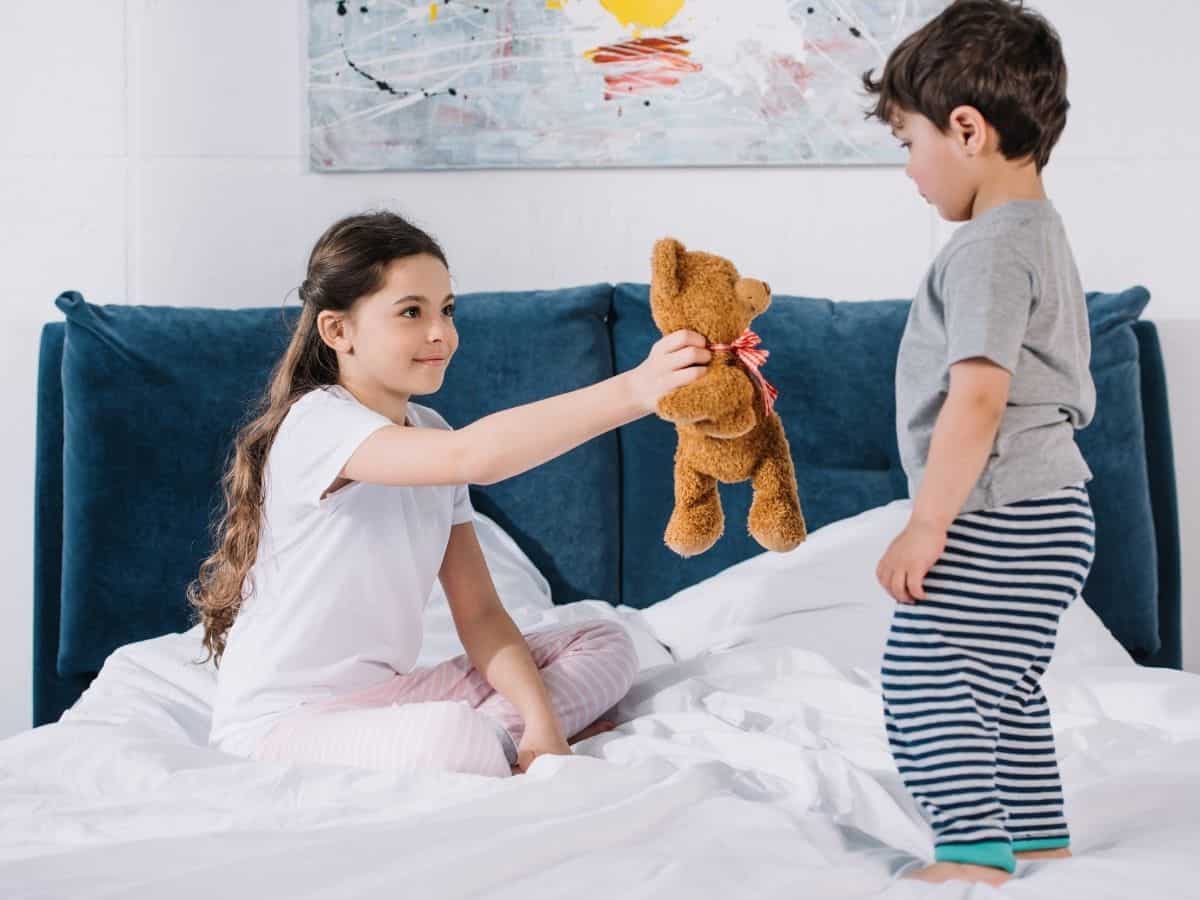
[967,722]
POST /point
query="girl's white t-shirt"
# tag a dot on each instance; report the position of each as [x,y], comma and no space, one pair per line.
[340,582]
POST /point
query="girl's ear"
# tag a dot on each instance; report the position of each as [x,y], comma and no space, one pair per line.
[331,326]
[969,128]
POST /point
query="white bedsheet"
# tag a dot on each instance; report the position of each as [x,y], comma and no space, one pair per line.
[756,766]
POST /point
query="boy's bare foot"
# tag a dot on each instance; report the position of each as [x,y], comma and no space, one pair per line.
[1056,853]
[598,727]
[950,871]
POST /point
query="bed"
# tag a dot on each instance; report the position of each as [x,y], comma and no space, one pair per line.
[749,758]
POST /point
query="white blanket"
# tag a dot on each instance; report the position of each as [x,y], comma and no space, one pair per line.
[754,766]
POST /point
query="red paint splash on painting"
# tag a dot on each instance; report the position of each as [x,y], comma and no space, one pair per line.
[644,64]
[788,79]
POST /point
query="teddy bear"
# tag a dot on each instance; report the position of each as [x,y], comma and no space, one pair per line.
[725,420]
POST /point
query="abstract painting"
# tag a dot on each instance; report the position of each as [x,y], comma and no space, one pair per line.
[553,83]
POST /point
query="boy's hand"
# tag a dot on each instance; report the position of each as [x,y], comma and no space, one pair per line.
[677,359]
[911,555]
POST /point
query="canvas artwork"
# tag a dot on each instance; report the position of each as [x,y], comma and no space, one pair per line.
[552,83]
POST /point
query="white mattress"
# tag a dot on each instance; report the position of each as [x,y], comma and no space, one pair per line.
[753,764]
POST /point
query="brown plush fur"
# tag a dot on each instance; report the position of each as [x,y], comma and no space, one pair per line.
[724,432]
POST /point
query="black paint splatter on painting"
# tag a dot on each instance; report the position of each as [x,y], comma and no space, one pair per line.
[384,86]
[854,31]
[379,83]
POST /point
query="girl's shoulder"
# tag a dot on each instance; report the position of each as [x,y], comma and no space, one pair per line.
[325,415]
[334,402]
[329,401]
[321,397]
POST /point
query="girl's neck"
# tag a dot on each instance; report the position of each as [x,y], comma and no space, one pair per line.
[375,396]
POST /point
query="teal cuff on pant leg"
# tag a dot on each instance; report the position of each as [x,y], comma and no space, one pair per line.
[997,854]
[1041,844]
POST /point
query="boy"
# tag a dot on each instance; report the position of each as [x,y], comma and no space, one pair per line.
[991,382]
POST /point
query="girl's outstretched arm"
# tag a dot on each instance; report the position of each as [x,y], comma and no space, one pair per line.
[515,440]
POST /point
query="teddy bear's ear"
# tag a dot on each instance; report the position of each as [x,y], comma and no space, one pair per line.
[665,263]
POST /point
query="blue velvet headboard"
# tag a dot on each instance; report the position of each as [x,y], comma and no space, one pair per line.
[137,406]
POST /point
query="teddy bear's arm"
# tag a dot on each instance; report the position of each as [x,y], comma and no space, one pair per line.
[720,391]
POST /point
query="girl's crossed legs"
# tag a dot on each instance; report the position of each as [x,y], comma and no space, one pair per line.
[449,718]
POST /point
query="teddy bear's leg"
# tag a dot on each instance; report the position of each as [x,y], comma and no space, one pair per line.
[697,520]
[775,519]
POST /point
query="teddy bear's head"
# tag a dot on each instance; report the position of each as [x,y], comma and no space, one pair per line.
[702,292]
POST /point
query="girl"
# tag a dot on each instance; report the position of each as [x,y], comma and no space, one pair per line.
[344,500]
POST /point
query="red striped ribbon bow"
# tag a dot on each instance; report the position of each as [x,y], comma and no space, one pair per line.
[746,350]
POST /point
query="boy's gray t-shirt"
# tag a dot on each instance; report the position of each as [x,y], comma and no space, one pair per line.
[1005,287]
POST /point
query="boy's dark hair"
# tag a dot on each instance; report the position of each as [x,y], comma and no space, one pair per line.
[995,55]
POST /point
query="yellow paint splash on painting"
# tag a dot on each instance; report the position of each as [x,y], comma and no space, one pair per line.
[554,4]
[643,13]
[433,11]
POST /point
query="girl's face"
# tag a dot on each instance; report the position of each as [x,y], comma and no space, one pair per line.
[402,336]
[938,165]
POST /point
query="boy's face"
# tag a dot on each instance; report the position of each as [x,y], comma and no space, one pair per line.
[944,174]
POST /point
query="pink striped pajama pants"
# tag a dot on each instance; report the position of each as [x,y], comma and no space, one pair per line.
[447,717]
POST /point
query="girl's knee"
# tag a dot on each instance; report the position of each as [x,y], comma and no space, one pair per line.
[453,737]
[608,633]
[614,641]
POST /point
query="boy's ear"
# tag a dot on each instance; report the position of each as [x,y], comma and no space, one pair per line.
[969,128]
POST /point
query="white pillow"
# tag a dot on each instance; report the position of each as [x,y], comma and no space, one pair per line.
[823,597]
[517,579]
[523,591]
[525,594]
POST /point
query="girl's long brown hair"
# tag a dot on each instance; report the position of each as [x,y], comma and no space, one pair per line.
[347,262]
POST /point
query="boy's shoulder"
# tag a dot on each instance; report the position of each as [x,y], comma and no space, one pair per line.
[1014,231]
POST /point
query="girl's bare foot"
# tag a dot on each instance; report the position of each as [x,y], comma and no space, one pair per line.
[949,871]
[1056,853]
[598,727]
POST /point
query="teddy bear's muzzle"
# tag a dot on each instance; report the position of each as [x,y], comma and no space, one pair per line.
[754,293]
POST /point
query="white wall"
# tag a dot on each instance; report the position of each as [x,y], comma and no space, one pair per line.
[151,152]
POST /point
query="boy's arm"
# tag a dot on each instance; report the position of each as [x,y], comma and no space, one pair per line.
[963,437]
[962,441]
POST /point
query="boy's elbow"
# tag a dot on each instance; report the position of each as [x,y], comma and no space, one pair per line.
[986,405]
[981,389]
